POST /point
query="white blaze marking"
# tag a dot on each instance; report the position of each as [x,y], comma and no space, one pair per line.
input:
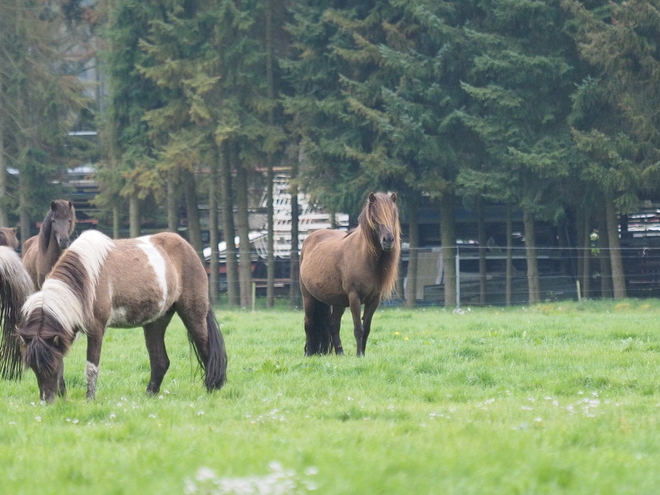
[159,266]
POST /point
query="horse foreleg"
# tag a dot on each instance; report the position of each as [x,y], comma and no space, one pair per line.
[154,336]
[356,306]
[335,326]
[94,342]
[369,310]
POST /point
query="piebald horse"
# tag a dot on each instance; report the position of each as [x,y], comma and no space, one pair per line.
[100,283]
[41,252]
[340,270]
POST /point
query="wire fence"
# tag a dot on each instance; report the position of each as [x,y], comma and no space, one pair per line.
[563,274]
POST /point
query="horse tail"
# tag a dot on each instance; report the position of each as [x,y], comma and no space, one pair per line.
[15,287]
[215,366]
[318,338]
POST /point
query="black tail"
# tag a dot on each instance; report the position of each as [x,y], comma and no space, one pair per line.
[216,365]
[318,336]
[15,287]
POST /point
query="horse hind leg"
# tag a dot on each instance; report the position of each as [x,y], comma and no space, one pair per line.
[154,336]
[317,326]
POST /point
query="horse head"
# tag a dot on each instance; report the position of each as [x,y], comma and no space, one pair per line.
[44,347]
[62,221]
[384,219]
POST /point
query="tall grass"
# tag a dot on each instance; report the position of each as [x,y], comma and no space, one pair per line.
[558,398]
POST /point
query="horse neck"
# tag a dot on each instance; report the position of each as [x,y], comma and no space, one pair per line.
[49,247]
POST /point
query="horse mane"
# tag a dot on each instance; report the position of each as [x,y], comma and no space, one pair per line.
[381,209]
[15,287]
[67,296]
[58,205]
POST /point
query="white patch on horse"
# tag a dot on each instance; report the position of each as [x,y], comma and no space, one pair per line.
[57,299]
[92,247]
[118,316]
[92,375]
[159,266]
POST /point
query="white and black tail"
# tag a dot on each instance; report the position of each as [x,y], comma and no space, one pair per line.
[15,287]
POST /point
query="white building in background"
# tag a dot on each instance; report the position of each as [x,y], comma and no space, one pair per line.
[310,218]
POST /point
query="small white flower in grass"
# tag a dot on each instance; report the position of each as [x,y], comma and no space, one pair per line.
[153,416]
[37,418]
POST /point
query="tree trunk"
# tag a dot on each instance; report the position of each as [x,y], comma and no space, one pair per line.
[213,226]
[192,212]
[448,243]
[228,227]
[413,256]
[294,267]
[618,276]
[270,284]
[481,228]
[4,216]
[134,215]
[245,263]
[532,258]
[115,220]
[172,202]
[604,256]
[509,256]
[24,212]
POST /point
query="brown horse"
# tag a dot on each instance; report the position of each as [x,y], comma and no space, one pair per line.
[340,270]
[41,252]
[100,283]
[8,237]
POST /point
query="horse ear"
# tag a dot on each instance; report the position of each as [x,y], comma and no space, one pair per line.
[70,204]
[372,197]
[393,197]
[53,205]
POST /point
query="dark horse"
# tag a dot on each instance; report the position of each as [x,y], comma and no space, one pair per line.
[100,283]
[41,252]
[340,270]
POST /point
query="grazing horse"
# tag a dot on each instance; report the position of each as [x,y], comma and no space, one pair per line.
[15,287]
[340,270]
[8,237]
[41,252]
[100,283]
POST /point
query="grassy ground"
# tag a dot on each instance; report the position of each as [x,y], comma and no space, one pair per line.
[560,398]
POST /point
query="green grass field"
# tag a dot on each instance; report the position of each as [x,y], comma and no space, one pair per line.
[557,398]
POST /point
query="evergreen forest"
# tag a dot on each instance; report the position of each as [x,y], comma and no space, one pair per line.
[551,108]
